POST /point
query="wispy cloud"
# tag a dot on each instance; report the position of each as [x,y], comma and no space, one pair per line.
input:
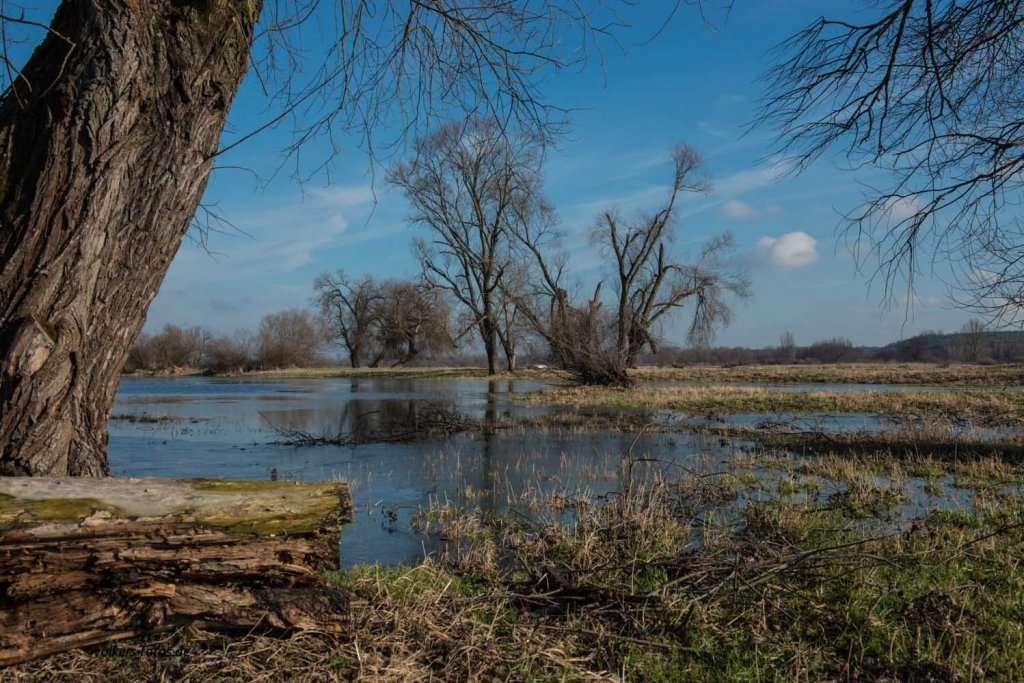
[715,131]
[724,190]
[735,209]
[895,210]
[284,239]
[641,198]
[907,301]
[262,263]
[732,98]
[768,173]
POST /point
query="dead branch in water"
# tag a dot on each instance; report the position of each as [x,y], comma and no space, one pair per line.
[433,420]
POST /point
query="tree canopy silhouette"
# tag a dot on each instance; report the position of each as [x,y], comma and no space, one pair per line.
[932,92]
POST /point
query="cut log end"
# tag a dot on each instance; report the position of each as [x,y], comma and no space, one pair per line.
[83,561]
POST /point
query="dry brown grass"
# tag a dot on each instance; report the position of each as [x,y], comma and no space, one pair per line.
[989,406]
[899,440]
[417,625]
[652,585]
[839,373]
[844,373]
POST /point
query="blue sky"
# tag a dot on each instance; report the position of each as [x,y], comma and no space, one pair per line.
[694,84]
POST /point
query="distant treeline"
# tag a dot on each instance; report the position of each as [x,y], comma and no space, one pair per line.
[836,350]
[300,338]
[973,344]
[398,333]
[290,338]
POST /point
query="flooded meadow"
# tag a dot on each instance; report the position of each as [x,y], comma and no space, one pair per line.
[768,523]
[409,446]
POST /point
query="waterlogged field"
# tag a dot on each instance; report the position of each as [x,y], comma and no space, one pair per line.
[196,426]
[709,524]
[836,373]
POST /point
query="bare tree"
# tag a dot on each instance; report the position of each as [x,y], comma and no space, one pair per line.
[109,132]
[835,350]
[787,347]
[513,328]
[390,322]
[931,91]
[582,340]
[650,284]
[595,344]
[172,347]
[469,184]
[235,354]
[974,340]
[412,321]
[580,336]
[351,311]
[292,338]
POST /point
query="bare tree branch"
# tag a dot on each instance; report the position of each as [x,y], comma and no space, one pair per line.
[932,92]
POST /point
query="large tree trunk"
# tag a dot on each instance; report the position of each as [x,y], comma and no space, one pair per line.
[490,339]
[623,327]
[103,160]
[508,347]
[355,357]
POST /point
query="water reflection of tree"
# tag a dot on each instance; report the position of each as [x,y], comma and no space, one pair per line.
[488,483]
[371,420]
[363,421]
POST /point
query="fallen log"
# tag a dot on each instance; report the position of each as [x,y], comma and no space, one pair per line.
[85,561]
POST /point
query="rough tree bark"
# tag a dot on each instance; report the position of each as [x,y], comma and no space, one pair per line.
[104,156]
[489,334]
[508,347]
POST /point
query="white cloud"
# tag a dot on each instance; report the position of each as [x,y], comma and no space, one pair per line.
[735,209]
[748,179]
[790,250]
[343,196]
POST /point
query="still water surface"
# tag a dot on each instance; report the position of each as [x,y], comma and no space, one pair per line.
[225,427]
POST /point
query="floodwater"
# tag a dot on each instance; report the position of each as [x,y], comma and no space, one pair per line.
[232,427]
[227,427]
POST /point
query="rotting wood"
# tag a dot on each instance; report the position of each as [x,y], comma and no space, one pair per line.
[85,561]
